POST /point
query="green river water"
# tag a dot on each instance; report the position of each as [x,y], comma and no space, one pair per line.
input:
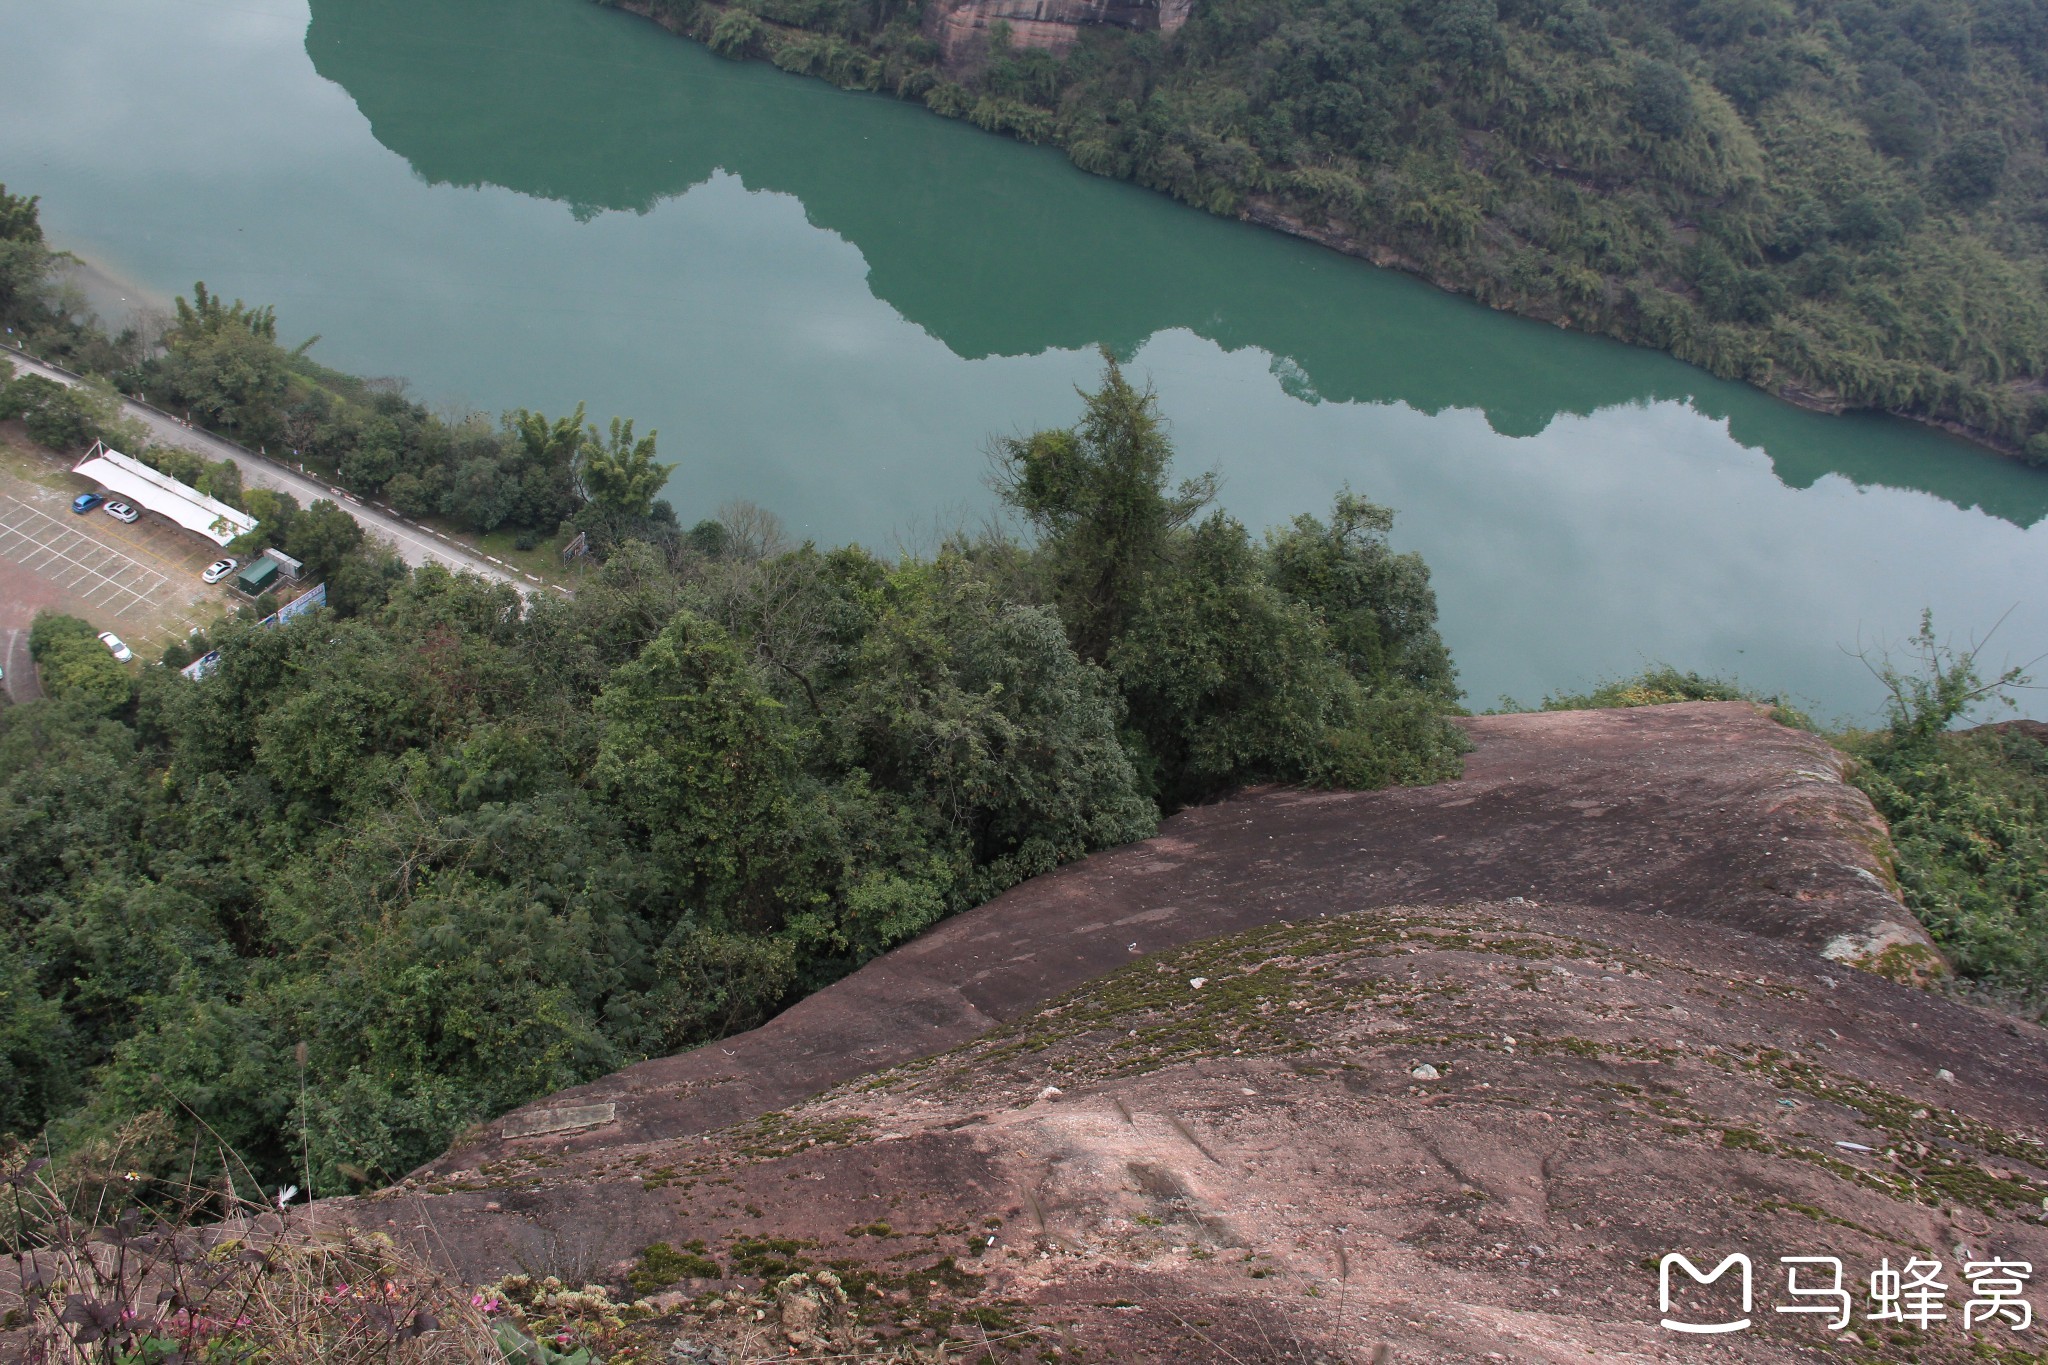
[828,302]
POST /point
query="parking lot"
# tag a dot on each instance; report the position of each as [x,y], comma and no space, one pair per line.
[140,581]
[105,579]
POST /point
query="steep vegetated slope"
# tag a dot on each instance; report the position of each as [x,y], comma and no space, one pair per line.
[405,864]
[1842,200]
[1969,817]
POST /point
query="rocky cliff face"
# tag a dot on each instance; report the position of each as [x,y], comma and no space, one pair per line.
[1433,1074]
[961,27]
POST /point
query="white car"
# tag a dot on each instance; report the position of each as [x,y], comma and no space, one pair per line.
[219,569]
[121,511]
[113,642]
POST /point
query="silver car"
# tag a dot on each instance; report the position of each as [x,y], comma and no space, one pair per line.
[113,642]
[121,511]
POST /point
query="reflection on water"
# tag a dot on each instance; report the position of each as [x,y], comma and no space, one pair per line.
[1016,254]
[827,302]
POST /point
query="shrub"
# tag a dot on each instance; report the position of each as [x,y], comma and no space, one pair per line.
[1661,685]
[1902,121]
[1662,100]
[1969,823]
[1973,167]
[736,33]
[75,666]
[661,1265]
[1968,812]
[948,99]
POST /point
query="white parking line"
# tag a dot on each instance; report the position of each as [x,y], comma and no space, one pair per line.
[15,525]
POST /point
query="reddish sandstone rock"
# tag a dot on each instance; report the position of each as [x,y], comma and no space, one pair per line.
[1436,1074]
[1706,813]
[961,27]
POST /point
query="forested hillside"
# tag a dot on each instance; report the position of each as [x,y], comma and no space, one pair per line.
[468,849]
[1842,200]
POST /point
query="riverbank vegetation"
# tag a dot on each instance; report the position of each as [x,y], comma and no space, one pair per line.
[1841,200]
[469,849]
[219,364]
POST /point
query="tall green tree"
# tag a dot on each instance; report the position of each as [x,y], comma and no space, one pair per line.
[1312,659]
[1098,495]
[696,756]
[24,259]
[322,538]
[549,444]
[619,474]
[546,454]
[223,362]
[1377,606]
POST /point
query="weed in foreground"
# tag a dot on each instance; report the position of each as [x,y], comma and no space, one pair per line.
[197,1276]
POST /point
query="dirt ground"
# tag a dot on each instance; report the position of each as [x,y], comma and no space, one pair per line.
[140,581]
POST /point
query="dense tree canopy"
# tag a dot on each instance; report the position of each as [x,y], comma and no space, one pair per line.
[223,363]
[1847,199]
[1312,657]
[470,848]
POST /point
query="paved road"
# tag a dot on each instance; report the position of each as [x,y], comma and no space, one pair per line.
[21,684]
[415,544]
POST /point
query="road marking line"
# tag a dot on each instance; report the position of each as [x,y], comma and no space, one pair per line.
[72,532]
[70,584]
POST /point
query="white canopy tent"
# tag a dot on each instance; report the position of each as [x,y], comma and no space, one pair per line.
[133,481]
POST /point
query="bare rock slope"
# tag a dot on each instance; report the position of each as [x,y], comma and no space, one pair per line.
[1428,1074]
[963,28]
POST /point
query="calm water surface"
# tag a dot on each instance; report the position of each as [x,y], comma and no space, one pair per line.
[828,302]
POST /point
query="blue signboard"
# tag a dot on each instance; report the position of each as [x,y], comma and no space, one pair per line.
[313,597]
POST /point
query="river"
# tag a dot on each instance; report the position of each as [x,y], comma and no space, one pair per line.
[829,302]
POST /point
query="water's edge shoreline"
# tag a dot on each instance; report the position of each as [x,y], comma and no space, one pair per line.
[1265,212]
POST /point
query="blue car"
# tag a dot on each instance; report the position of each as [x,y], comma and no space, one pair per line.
[85,502]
